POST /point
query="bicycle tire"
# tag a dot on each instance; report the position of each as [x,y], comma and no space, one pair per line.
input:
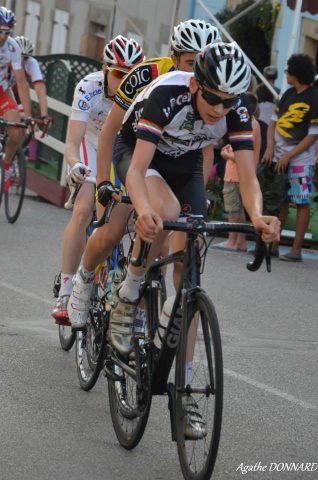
[197,457]
[90,349]
[1,176]
[130,407]
[67,337]
[13,199]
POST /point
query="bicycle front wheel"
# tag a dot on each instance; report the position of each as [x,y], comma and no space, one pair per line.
[202,387]
[13,199]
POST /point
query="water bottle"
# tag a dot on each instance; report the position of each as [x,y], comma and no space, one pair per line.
[164,320]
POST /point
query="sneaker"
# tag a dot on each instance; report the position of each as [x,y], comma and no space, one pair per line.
[7,178]
[59,311]
[80,301]
[121,324]
[194,428]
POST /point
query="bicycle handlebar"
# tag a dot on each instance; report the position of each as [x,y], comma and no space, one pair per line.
[197,225]
[74,189]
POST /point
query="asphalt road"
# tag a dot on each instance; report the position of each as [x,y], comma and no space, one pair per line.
[52,430]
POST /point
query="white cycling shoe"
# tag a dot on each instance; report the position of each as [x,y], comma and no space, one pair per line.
[80,301]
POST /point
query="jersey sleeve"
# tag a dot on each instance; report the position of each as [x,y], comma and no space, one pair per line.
[313,117]
[34,71]
[239,126]
[156,114]
[81,106]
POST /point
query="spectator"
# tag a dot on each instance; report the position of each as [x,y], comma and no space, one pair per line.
[233,204]
[271,74]
[290,155]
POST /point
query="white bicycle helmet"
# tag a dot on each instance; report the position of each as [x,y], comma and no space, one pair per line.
[124,52]
[26,45]
[7,17]
[193,36]
[222,66]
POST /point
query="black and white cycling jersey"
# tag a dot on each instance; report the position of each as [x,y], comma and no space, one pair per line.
[164,113]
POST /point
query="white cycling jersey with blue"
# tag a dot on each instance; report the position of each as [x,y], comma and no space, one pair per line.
[90,105]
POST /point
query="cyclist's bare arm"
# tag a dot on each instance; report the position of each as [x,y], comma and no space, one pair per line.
[208,160]
[75,136]
[40,90]
[23,91]
[106,141]
[252,196]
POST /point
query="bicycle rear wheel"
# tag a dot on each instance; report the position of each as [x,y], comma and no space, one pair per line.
[13,199]
[130,405]
[67,337]
[197,457]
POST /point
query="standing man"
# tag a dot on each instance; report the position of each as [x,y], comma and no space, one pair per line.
[290,154]
[10,54]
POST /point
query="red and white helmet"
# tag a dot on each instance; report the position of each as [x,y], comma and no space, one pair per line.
[124,52]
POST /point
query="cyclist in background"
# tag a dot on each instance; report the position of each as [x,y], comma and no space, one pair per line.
[92,101]
[34,76]
[10,54]
[188,38]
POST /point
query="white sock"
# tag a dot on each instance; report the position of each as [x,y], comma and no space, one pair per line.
[66,284]
[188,373]
[130,287]
[86,275]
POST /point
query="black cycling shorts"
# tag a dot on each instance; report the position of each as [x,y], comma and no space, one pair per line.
[184,175]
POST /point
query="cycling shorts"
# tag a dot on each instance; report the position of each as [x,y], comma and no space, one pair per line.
[184,175]
[6,102]
[88,156]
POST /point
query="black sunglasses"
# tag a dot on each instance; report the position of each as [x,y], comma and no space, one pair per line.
[5,32]
[213,99]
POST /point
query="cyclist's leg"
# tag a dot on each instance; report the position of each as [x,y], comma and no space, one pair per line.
[165,203]
[15,135]
[74,238]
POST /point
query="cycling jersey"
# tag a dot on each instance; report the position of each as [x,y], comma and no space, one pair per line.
[10,54]
[90,105]
[33,75]
[139,77]
[164,114]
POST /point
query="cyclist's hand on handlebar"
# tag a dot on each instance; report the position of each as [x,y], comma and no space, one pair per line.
[148,225]
[78,173]
[105,191]
[47,122]
[268,226]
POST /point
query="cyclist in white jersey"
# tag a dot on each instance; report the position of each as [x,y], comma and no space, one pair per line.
[10,54]
[34,77]
[92,101]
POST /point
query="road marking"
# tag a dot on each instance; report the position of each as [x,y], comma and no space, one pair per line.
[230,373]
[272,390]
[25,293]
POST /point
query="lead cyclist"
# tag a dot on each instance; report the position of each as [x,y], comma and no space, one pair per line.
[93,99]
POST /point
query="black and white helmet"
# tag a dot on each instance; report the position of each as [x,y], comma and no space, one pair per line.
[27,47]
[193,36]
[222,66]
[124,52]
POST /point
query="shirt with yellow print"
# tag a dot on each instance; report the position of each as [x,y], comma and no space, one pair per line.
[139,77]
[296,116]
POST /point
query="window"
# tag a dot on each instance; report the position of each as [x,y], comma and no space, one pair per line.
[60,28]
[32,21]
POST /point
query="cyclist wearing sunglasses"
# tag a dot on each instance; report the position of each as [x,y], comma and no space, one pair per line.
[10,54]
[92,101]
[188,38]
[159,158]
